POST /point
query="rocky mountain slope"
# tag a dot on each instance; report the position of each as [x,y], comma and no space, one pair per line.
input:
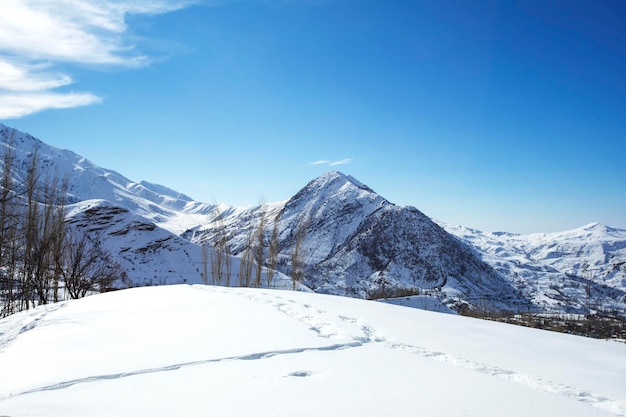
[354,242]
[148,255]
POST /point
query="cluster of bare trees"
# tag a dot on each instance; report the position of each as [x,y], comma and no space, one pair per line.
[258,255]
[257,250]
[219,258]
[296,253]
[42,258]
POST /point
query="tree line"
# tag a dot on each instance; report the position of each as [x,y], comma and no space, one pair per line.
[43,258]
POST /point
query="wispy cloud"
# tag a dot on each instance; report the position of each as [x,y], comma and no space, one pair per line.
[341,162]
[331,163]
[13,106]
[38,35]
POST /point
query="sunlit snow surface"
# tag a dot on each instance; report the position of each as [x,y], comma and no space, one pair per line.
[199,351]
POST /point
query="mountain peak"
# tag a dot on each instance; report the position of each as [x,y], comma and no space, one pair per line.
[599,228]
[592,225]
[595,227]
[332,188]
[337,178]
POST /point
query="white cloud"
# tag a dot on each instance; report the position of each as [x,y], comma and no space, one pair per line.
[85,31]
[36,35]
[341,162]
[17,105]
[16,77]
[332,163]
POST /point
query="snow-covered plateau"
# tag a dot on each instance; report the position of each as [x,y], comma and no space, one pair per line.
[195,350]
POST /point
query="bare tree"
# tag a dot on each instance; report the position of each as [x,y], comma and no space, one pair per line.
[49,240]
[296,253]
[86,266]
[227,264]
[59,231]
[205,263]
[220,262]
[272,259]
[8,229]
[259,247]
[30,231]
[216,266]
[246,262]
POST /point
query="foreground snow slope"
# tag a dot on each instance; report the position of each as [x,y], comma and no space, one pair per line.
[198,350]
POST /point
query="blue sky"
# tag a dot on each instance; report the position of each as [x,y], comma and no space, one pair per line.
[497,115]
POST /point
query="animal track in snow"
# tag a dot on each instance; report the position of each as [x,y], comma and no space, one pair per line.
[175,367]
[362,334]
[29,323]
[529,381]
[300,374]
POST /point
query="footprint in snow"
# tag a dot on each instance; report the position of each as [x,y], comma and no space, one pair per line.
[300,374]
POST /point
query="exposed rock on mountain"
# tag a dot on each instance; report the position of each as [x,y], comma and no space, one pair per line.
[148,254]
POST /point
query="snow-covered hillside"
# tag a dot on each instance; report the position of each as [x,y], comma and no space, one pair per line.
[200,350]
[88,181]
[569,270]
[148,254]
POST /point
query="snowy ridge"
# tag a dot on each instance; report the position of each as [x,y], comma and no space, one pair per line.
[88,181]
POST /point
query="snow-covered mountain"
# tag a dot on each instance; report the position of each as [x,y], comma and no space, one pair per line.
[148,254]
[88,181]
[350,241]
[126,217]
[201,350]
[572,270]
[357,243]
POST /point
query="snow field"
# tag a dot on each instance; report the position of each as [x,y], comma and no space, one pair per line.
[198,350]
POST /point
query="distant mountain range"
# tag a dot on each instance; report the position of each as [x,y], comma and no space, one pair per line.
[561,271]
[350,241]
